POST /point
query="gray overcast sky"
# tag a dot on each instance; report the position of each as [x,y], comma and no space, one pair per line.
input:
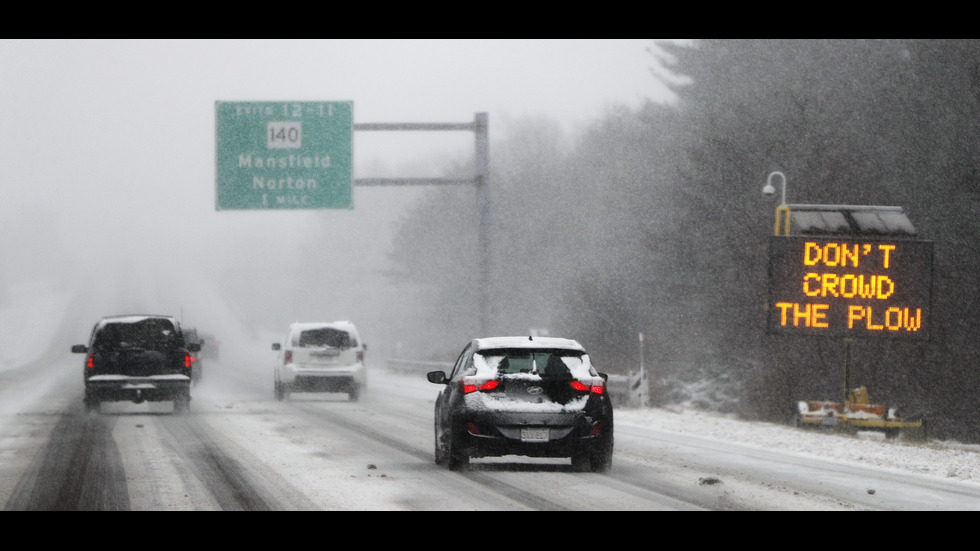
[106,138]
[108,146]
[133,120]
[103,92]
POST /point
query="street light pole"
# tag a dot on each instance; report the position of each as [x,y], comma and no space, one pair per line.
[769,189]
[782,210]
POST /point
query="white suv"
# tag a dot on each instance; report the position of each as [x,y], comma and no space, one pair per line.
[320,357]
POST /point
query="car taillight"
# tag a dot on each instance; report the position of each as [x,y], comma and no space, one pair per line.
[360,356]
[470,385]
[288,356]
[595,388]
[187,360]
[596,429]
[90,362]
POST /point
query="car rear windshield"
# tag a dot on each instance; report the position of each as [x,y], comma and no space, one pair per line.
[148,333]
[555,363]
[326,336]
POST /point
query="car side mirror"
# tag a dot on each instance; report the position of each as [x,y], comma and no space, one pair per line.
[276,346]
[79,349]
[605,376]
[437,377]
[194,347]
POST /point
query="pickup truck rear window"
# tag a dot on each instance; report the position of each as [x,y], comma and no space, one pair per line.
[150,333]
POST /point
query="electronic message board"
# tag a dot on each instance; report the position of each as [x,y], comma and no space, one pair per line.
[849,287]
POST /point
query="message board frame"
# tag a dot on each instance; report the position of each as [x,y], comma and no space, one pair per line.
[846,286]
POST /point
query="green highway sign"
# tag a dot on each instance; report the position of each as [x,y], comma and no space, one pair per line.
[284,155]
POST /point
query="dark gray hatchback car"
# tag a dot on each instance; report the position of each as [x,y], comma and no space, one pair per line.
[137,358]
[529,396]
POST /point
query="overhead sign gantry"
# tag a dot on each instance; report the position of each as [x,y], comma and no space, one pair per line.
[273,155]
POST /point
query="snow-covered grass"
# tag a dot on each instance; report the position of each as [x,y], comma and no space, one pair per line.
[944,459]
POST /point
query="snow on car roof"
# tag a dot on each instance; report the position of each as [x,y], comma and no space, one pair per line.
[133,318]
[303,325]
[527,342]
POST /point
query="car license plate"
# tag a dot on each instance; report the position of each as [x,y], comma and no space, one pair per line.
[530,434]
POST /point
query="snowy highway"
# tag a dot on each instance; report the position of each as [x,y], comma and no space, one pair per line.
[240,449]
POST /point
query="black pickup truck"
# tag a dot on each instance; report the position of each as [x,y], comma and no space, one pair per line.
[137,358]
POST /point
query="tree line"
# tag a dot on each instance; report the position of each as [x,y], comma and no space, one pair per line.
[651,220]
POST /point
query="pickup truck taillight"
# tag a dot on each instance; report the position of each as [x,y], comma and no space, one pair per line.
[360,356]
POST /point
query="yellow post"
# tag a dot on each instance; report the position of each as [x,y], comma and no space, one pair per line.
[782,211]
[782,214]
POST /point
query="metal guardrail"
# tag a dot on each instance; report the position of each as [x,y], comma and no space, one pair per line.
[618,388]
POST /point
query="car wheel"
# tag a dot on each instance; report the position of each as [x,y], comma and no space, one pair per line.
[601,461]
[458,462]
[456,459]
[581,463]
[601,457]
[278,391]
[182,403]
[438,453]
[354,394]
[92,404]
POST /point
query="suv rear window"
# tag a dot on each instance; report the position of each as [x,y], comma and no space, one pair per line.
[326,336]
[150,333]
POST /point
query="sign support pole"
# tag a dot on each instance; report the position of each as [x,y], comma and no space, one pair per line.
[481,180]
